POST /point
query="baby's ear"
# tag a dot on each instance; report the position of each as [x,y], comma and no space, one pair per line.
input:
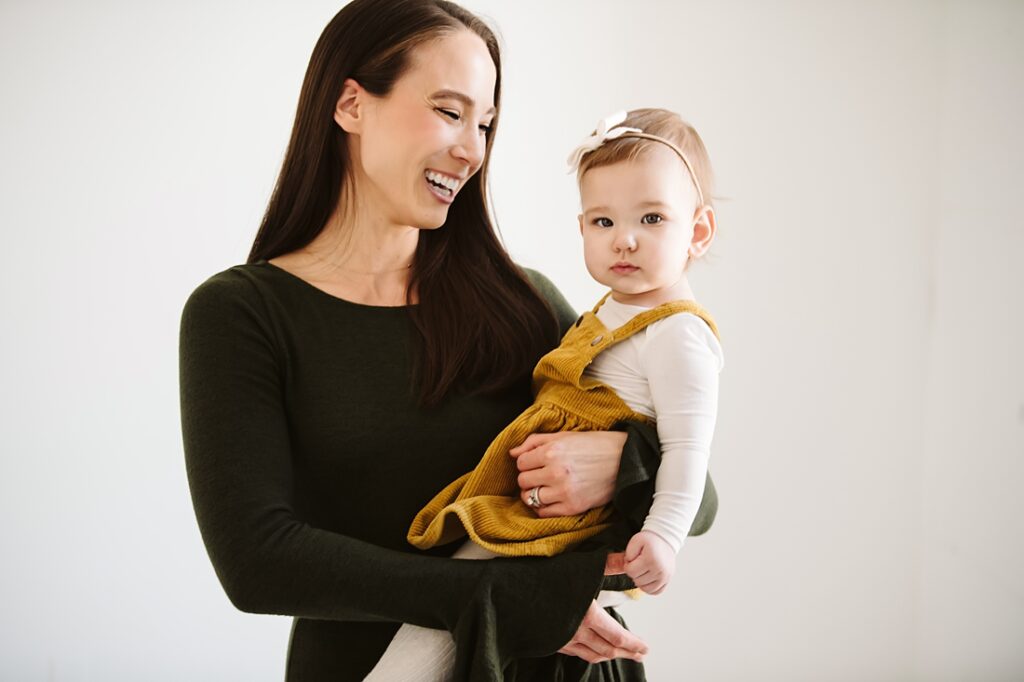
[703,232]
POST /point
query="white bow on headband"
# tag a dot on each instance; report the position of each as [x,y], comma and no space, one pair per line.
[606,130]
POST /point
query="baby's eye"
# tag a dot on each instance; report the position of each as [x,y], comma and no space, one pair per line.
[651,219]
[453,115]
[486,130]
[603,222]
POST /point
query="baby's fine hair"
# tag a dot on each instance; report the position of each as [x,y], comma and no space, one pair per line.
[662,123]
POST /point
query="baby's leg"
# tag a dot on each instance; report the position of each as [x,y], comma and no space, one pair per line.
[606,598]
[419,654]
[416,655]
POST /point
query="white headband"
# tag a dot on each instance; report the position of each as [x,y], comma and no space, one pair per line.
[607,130]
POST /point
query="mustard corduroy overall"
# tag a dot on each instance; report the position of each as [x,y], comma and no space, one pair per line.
[485,503]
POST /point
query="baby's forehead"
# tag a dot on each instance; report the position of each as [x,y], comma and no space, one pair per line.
[638,184]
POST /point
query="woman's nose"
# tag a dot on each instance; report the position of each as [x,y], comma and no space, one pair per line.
[471,148]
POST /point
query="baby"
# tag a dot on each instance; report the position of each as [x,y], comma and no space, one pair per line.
[646,352]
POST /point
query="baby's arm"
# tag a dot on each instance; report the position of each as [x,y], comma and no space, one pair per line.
[681,359]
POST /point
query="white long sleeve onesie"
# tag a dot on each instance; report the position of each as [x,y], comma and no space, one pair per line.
[669,372]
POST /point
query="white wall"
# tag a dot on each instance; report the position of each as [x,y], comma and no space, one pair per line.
[872,415]
[970,594]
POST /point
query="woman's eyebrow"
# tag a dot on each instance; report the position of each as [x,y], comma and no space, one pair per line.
[456,95]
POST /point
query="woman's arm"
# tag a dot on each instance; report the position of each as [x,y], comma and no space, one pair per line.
[269,560]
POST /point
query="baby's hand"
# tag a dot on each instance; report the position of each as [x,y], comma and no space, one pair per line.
[650,562]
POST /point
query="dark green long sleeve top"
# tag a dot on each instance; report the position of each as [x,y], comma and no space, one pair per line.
[307,457]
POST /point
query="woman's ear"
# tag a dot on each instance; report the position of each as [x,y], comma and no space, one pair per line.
[703,232]
[349,109]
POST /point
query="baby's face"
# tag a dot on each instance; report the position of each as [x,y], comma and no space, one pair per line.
[637,226]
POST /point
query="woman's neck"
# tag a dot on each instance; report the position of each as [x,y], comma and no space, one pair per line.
[365,245]
[359,257]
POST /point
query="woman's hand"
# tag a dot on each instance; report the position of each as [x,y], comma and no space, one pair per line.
[575,470]
[600,637]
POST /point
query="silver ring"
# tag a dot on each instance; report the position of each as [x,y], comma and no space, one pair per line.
[533,499]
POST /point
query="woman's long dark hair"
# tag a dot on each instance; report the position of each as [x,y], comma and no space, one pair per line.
[481,324]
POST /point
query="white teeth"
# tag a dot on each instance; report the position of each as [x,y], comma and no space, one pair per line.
[450,183]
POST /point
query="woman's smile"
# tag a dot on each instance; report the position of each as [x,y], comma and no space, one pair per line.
[442,185]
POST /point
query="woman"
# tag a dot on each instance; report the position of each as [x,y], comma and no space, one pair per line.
[367,353]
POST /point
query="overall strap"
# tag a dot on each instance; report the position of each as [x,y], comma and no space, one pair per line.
[601,302]
[647,317]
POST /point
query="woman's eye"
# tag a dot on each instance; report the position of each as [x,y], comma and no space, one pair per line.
[603,222]
[651,219]
[456,116]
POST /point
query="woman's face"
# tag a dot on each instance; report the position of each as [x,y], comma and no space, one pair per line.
[418,145]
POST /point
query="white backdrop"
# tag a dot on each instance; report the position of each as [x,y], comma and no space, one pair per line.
[868,451]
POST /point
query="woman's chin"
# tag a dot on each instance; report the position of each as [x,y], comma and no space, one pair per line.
[431,223]
[433,218]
